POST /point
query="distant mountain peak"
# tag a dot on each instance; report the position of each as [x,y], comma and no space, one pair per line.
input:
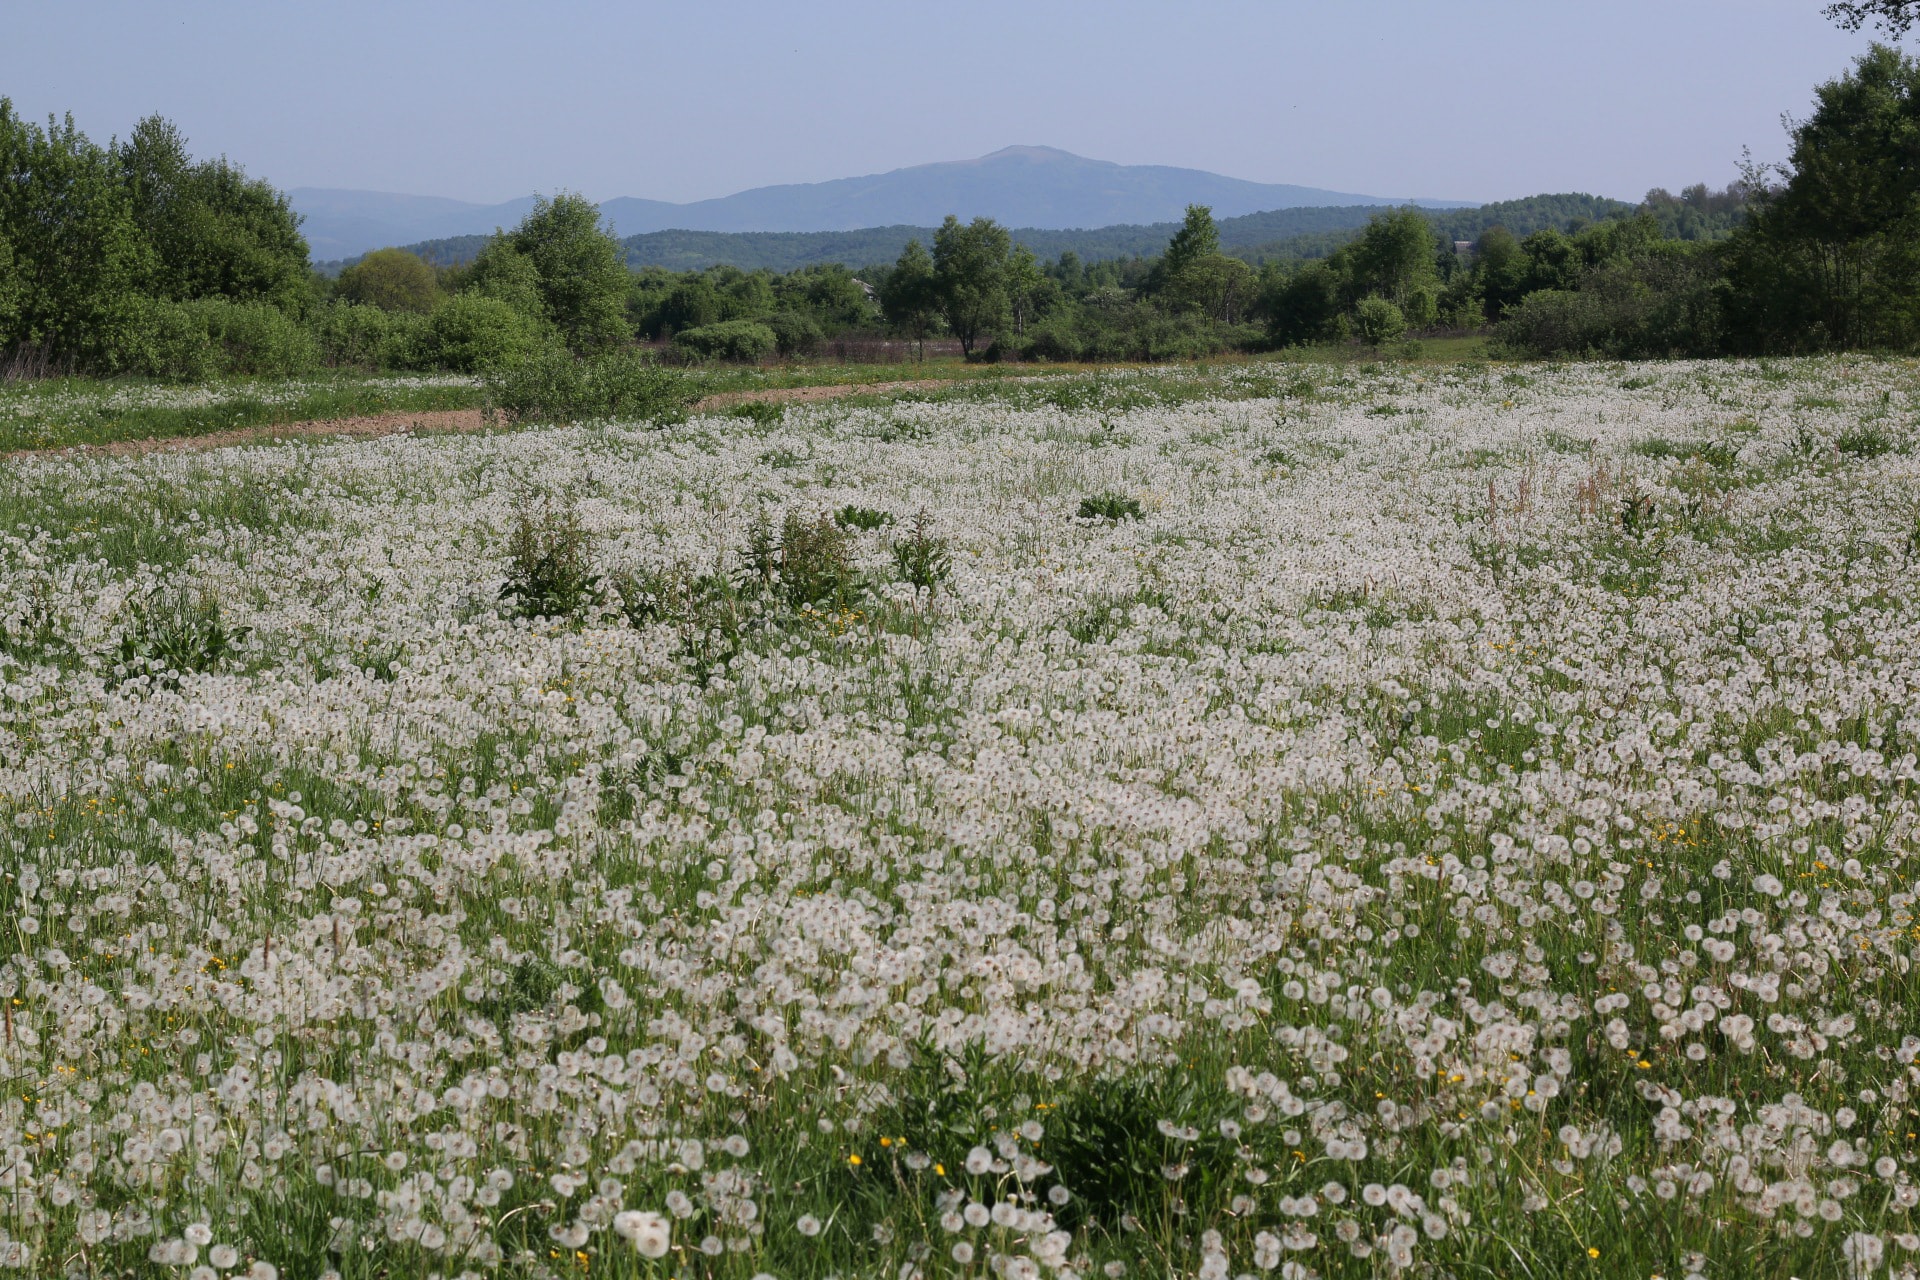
[1023,185]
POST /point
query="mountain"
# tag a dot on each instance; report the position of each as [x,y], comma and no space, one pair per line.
[1038,187]
[1284,235]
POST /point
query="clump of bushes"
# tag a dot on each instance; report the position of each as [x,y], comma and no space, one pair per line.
[736,341]
[554,385]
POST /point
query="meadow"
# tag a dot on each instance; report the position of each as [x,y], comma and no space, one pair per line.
[1274,820]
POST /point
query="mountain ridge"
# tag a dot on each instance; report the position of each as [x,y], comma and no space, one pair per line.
[1030,186]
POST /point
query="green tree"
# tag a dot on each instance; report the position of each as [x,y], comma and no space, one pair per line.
[210,231]
[564,268]
[1026,286]
[910,296]
[1197,240]
[1830,256]
[77,258]
[392,280]
[1394,258]
[970,277]
[1378,320]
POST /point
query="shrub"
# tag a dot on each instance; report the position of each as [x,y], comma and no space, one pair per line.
[212,337]
[1379,321]
[797,334]
[368,338]
[473,333]
[555,386]
[391,280]
[549,571]
[922,558]
[1109,506]
[739,341]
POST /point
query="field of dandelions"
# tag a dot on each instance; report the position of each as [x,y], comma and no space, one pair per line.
[1281,821]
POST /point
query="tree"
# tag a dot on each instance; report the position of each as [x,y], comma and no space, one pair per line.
[392,280]
[1025,286]
[970,277]
[1896,17]
[1394,257]
[1197,240]
[1831,254]
[77,257]
[210,231]
[560,263]
[1379,321]
[910,297]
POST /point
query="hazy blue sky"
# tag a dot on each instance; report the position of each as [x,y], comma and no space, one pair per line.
[484,100]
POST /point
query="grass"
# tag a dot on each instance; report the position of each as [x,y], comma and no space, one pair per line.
[69,412]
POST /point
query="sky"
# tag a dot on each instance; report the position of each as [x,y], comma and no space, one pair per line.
[484,100]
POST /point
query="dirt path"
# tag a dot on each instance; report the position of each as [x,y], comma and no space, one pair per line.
[439,421]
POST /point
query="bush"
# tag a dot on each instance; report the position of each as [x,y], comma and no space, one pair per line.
[212,337]
[738,341]
[1379,321]
[391,280]
[473,333]
[366,337]
[554,386]
[796,334]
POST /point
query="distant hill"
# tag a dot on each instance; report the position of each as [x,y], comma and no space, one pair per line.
[1039,187]
[1272,235]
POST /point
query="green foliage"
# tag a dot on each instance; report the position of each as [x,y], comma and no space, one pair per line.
[1109,506]
[865,519]
[554,386]
[475,333]
[738,341]
[571,265]
[921,557]
[214,338]
[1378,321]
[208,229]
[549,569]
[808,562]
[1831,257]
[910,297]
[392,280]
[171,633]
[970,278]
[354,336]
[78,260]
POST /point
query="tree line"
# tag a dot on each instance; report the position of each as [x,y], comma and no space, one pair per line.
[135,258]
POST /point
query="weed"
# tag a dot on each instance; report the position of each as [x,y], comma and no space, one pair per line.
[549,574]
[807,562]
[865,519]
[172,634]
[765,413]
[921,557]
[1864,441]
[1109,506]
